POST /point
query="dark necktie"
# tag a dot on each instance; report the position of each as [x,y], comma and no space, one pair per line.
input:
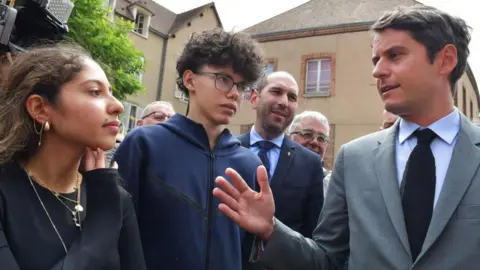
[265,146]
[419,190]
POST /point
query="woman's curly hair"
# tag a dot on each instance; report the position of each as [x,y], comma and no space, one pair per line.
[219,48]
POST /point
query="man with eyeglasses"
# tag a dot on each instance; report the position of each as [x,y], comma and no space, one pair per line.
[295,173]
[388,119]
[170,168]
[311,129]
[156,112]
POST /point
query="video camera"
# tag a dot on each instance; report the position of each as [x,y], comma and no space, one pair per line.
[24,23]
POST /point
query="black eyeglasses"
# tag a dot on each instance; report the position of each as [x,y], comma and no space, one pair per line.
[310,135]
[158,116]
[225,83]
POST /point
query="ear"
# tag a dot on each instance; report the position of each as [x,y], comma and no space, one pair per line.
[139,123]
[188,80]
[254,99]
[447,59]
[37,108]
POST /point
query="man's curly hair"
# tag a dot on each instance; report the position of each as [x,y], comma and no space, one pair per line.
[219,48]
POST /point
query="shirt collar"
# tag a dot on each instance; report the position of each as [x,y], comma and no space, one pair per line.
[255,137]
[446,128]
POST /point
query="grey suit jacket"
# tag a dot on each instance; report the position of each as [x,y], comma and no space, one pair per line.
[363,215]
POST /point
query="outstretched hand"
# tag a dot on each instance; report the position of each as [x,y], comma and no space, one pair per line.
[251,210]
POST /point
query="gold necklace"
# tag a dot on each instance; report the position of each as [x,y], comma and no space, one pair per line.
[78,206]
[48,215]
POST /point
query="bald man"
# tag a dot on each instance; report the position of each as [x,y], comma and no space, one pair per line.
[388,119]
[296,173]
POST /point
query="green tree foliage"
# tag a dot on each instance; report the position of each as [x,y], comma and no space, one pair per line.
[109,44]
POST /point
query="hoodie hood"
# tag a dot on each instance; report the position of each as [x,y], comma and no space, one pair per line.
[196,134]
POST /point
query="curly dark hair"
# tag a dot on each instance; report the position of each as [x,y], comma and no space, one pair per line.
[432,28]
[219,48]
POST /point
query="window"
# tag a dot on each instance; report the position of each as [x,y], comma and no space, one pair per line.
[245,128]
[471,110]
[181,95]
[270,68]
[140,22]
[271,65]
[142,18]
[110,6]
[130,115]
[455,97]
[140,76]
[329,159]
[464,100]
[318,76]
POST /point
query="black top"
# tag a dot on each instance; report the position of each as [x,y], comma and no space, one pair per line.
[108,239]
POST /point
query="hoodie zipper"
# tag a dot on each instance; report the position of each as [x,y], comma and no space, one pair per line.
[208,241]
[210,211]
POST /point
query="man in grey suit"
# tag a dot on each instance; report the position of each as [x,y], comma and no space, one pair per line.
[406,197]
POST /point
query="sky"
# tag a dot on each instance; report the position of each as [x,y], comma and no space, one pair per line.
[238,15]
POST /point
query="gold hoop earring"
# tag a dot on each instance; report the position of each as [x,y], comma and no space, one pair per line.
[39,132]
[47,126]
[35,127]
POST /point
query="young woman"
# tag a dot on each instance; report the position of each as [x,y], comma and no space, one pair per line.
[56,106]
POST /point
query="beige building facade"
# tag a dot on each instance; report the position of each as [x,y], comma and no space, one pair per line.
[332,65]
[324,44]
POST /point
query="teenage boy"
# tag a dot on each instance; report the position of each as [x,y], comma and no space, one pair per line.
[170,168]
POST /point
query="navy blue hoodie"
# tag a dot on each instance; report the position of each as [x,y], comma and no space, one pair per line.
[170,170]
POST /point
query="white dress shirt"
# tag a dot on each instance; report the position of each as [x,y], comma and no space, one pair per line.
[274,153]
[442,146]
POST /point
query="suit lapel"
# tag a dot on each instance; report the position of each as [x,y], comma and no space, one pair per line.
[463,165]
[287,153]
[385,168]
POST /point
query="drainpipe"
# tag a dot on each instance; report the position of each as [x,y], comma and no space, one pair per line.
[162,68]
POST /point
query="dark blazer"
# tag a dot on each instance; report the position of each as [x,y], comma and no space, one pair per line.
[297,186]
